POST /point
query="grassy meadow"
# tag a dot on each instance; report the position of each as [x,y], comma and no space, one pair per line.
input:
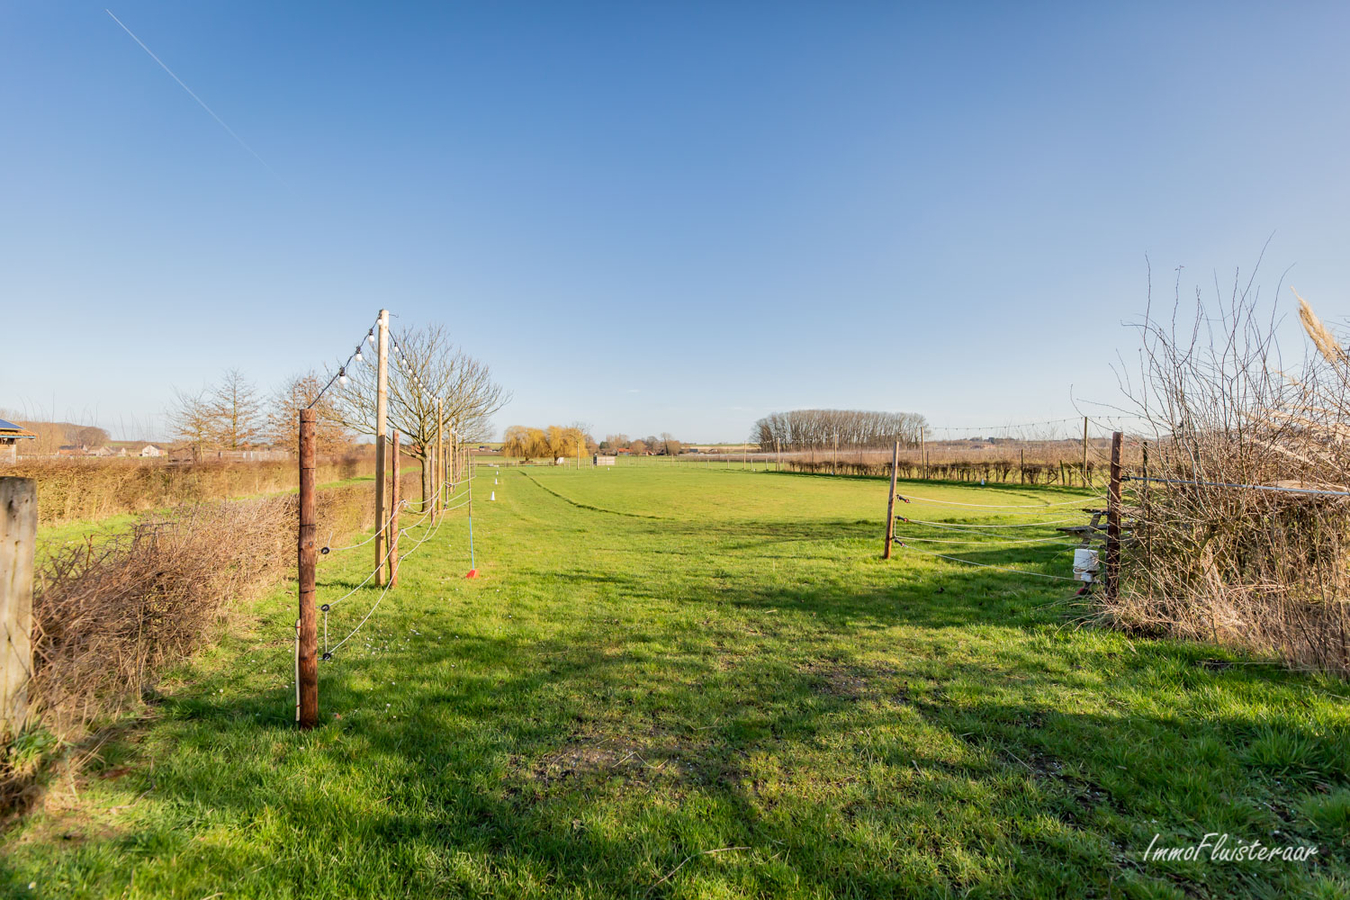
[681,681]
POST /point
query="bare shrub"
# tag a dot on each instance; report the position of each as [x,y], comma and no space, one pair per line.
[110,614]
[1211,560]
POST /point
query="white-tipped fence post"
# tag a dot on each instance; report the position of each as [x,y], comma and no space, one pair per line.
[18,538]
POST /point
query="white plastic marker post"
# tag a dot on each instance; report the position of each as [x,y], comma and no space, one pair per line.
[494,496]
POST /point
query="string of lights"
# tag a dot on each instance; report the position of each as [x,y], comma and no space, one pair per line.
[341,375]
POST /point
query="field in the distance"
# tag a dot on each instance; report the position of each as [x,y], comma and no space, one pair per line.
[703,682]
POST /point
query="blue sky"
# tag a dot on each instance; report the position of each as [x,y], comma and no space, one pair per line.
[654,216]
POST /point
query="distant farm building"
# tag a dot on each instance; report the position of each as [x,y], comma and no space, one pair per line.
[150,451]
[603,460]
[10,435]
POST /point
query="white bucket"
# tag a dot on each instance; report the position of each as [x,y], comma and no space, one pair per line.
[1086,563]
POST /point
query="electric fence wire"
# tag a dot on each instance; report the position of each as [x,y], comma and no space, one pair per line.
[378,568]
[326,550]
[909,498]
[329,605]
[984,565]
[959,525]
[1272,488]
[995,543]
[328,652]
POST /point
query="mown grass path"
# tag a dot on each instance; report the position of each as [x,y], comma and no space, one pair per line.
[658,664]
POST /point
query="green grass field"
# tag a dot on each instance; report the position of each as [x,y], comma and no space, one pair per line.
[684,682]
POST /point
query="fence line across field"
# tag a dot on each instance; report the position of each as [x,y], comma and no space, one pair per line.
[1272,488]
[441,465]
[910,498]
[963,526]
[981,565]
[1058,539]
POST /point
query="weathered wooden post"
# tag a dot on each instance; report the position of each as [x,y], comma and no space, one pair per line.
[393,516]
[1022,462]
[1085,442]
[440,452]
[890,503]
[923,455]
[18,538]
[307,666]
[381,429]
[1113,520]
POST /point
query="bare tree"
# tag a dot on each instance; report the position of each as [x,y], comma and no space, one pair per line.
[283,420]
[425,366]
[191,420]
[235,411]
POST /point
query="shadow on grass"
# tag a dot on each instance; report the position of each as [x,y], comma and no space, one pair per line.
[582,761]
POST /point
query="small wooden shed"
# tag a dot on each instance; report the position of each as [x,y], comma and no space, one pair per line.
[10,435]
[602,460]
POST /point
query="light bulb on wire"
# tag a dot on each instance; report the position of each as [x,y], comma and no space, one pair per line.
[342,376]
[370,336]
[357,357]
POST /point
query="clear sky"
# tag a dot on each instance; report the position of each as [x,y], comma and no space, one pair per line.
[654,216]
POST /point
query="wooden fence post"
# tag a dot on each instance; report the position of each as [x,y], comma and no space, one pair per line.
[18,537]
[1113,520]
[1085,442]
[923,455]
[394,503]
[1022,463]
[890,503]
[440,466]
[308,665]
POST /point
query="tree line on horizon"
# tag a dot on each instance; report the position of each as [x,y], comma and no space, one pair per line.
[845,429]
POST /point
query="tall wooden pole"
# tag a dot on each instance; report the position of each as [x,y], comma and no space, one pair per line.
[18,540]
[393,515]
[890,503]
[923,454]
[440,454]
[453,460]
[381,428]
[1022,462]
[1085,439]
[1113,521]
[307,676]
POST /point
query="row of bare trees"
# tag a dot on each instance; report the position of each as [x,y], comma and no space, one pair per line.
[664,444]
[429,367]
[845,429]
[232,414]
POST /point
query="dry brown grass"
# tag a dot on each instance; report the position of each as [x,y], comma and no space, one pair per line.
[90,489]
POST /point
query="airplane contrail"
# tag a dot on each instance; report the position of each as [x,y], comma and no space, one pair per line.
[199,100]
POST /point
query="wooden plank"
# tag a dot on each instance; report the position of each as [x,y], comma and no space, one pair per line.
[18,539]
